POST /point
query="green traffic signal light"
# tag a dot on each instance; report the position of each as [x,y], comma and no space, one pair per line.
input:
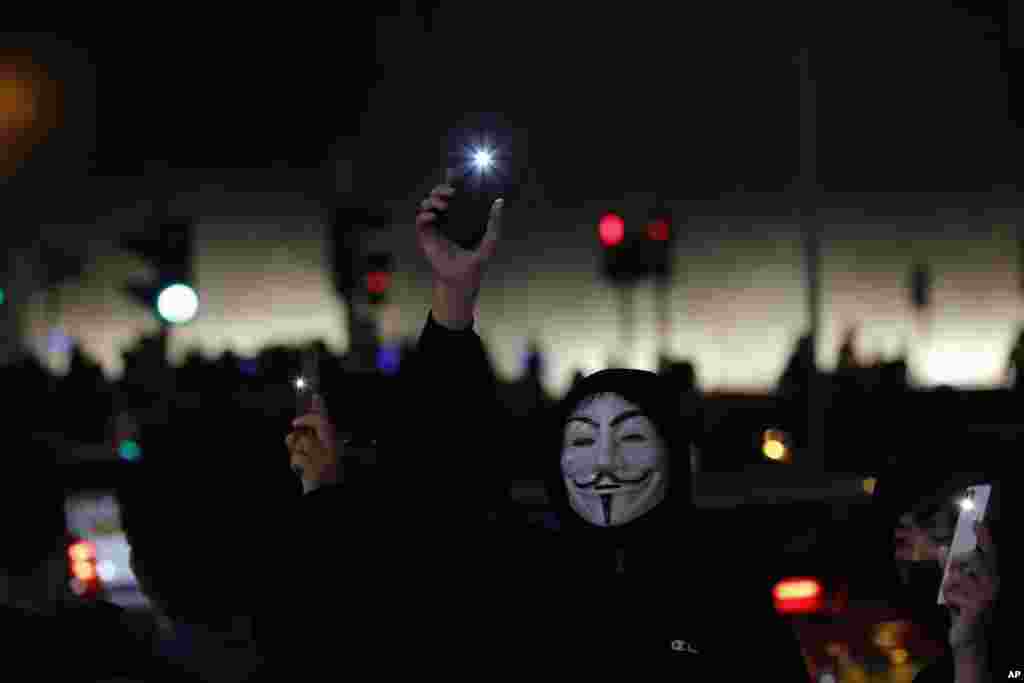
[177,304]
[129,450]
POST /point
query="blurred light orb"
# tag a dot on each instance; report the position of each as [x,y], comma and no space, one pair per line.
[178,304]
[129,450]
[389,359]
[483,159]
[107,571]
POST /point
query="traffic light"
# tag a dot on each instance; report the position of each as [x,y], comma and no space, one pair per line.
[171,295]
[659,245]
[921,286]
[378,278]
[611,230]
[126,437]
[629,256]
[622,261]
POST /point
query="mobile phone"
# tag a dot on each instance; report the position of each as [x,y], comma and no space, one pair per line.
[973,505]
[465,220]
[307,383]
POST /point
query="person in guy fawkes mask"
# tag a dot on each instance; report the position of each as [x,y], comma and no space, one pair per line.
[618,430]
[628,575]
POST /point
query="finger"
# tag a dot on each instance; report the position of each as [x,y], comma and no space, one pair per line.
[318,405]
[313,421]
[425,220]
[490,241]
[985,538]
[444,191]
[436,246]
[299,460]
[954,595]
[434,203]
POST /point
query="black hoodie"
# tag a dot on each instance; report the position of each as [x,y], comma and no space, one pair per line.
[659,590]
[453,589]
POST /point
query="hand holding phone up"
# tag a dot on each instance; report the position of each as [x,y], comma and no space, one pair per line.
[313,448]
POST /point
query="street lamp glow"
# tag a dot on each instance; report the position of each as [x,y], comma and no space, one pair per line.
[774,449]
[177,304]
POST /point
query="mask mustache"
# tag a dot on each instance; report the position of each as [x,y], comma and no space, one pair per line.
[607,477]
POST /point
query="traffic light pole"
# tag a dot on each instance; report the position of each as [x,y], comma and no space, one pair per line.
[807,189]
[625,296]
[661,294]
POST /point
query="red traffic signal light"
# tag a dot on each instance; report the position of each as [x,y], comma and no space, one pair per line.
[378,282]
[658,230]
[611,229]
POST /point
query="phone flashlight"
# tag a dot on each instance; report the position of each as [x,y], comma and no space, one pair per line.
[307,383]
[972,506]
[483,159]
[476,189]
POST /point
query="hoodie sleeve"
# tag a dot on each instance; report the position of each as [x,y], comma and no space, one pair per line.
[449,392]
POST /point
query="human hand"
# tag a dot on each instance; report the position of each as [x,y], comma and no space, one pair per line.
[312,448]
[971,589]
[457,271]
[914,544]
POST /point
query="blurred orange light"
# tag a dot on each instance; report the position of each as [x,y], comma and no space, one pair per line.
[84,571]
[17,102]
[774,449]
[82,551]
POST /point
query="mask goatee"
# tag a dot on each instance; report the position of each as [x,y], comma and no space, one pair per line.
[606,508]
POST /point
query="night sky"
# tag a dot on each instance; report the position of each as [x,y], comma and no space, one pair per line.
[590,105]
[596,102]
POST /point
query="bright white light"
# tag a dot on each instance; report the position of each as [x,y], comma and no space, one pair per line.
[107,571]
[300,383]
[483,159]
[955,366]
[177,304]
[966,504]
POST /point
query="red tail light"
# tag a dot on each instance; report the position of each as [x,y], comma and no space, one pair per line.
[799,595]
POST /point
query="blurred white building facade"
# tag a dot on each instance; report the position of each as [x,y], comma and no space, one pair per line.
[738,295]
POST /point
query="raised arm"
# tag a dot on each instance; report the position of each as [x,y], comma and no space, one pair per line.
[449,389]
